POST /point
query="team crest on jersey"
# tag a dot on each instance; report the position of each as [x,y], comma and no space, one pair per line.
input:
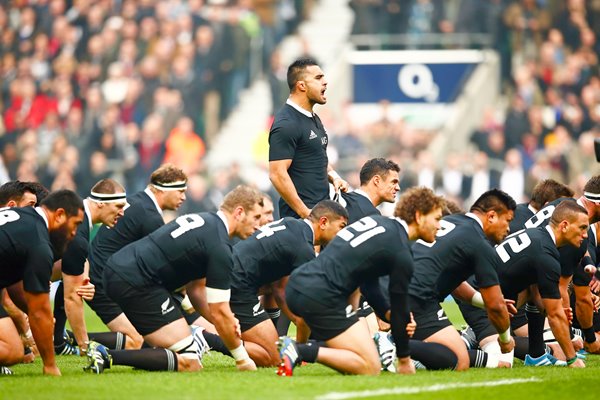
[256,310]
[164,307]
[324,140]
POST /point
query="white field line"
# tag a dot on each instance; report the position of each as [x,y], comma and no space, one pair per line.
[421,389]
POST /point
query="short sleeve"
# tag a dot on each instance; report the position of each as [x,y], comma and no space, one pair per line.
[73,259]
[548,274]
[218,269]
[486,263]
[283,140]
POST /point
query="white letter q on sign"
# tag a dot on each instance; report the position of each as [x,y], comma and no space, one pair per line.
[416,81]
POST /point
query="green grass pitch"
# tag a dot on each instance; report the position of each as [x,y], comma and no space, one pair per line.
[220,380]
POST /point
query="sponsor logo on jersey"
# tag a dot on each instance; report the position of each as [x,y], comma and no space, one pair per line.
[441,315]
[164,307]
[312,135]
[350,311]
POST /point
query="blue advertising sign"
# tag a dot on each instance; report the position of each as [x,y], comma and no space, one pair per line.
[423,79]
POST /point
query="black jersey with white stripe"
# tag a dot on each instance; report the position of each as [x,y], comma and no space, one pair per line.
[141,218]
[193,246]
[362,252]
[271,253]
[529,257]
[25,249]
[570,256]
[73,259]
[358,206]
[460,250]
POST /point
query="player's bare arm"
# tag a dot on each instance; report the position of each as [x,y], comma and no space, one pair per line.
[278,174]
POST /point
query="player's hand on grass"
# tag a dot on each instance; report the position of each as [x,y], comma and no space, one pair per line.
[51,370]
[578,364]
[405,366]
[508,346]
[577,342]
[245,365]
[87,290]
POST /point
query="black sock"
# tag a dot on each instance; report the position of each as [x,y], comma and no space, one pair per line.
[432,355]
[59,315]
[477,358]
[535,323]
[283,325]
[274,314]
[112,340]
[521,347]
[147,359]
[216,343]
[308,351]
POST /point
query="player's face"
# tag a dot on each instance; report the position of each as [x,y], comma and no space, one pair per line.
[249,222]
[429,224]
[390,185]
[499,228]
[111,212]
[330,228]
[28,200]
[267,212]
[173,199]
[576,231]
[316,84]
[65,231]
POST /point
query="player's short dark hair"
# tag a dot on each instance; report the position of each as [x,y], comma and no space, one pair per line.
[377,166]
[40,191]
[548,190]
[296,70]
[328,208]
[12,190]
[496,200]
[107,186]
[66,199]
[167,173]
[421,199]
[593,185]
[242,196]
[566,210]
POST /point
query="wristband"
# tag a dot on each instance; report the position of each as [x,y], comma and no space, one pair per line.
[589,335]
[334,175]
[571,360]
[28,335]
[505,336]
[477,300]
[240,353]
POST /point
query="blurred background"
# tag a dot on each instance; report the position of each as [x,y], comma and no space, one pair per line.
[465,95]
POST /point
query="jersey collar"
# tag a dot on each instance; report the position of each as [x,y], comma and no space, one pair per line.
[551,232]
[363,193]
[151,195]
[311,229]
[88,213]
[43,215]
[221,215]
[298,108]
[476,218]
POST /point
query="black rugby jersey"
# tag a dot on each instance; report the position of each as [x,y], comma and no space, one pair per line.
[25,249]
[460,250]
[372,247]
[193,246]
[529,257]
[271,253]
[302,139]
[73,259]
[141,218]
[358,205]
[522,213]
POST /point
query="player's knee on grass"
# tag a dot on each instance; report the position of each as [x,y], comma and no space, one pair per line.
[188,354]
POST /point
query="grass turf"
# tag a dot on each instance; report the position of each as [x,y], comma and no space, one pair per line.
[220,380]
